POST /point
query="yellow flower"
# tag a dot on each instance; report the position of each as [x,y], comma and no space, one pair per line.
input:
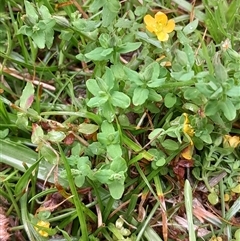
[43,224]
[189,132]
[188,152]
[231,141]
[187,128]
[159,25]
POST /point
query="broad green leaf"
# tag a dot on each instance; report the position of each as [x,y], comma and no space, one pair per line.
[49,37]
[93,86]
[140,95]
[120,99]
[118,164]
[97,101]
[154,83]
[27,96]
[146,38]
[128,47]
[104,40]
[44,12]
[170,145]
[190,54]
[108,79]
[155,133]
[213,198]
[87,129]
[151,71]
[99,54]
[170,100]
[154,96]
[56,136]
[116,189]
[96,148]
[183,75]
[103,175]
[234,92]
[190,27]
[4,133]
[107,128]
[31,12]
[108,111]
[79,180]
[39,38]
[114,150]
[211,108]
[181,57]
[133,76]
[228,109]
[26,30]
[110,11]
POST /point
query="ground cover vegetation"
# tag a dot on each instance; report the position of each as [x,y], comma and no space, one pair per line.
[119,120]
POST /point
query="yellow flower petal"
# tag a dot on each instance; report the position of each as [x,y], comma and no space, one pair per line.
[170,26]
[43,224]
[162,36]
[187,152]
[150,23]
[187,128]
[161,18]
[231,141]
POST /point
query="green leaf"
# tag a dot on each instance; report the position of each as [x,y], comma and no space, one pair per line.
[154,96]
[116,189]
[56,136]
[103,175]
[26,30]
[108,80]
[211,108]
[152,71]
[49,37]
[93,86]
[99,54]
[213,198]
[114,150]
[37,134]
[87,129]
[39,39]
[228,109]
[190,27]
[44,12]
[118,164]
[104,40]
[110,11]
[181,57]
[170,100]
[120,99]
[128,47]
[96,148]
[108,111]
[107,128]
[133,76]
[79,180]
[170,145]
[154,83]
[97,101]
[140,95]
[31,12]
[234,92]
[27,96]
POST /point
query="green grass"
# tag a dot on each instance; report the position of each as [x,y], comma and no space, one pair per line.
[107,133]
